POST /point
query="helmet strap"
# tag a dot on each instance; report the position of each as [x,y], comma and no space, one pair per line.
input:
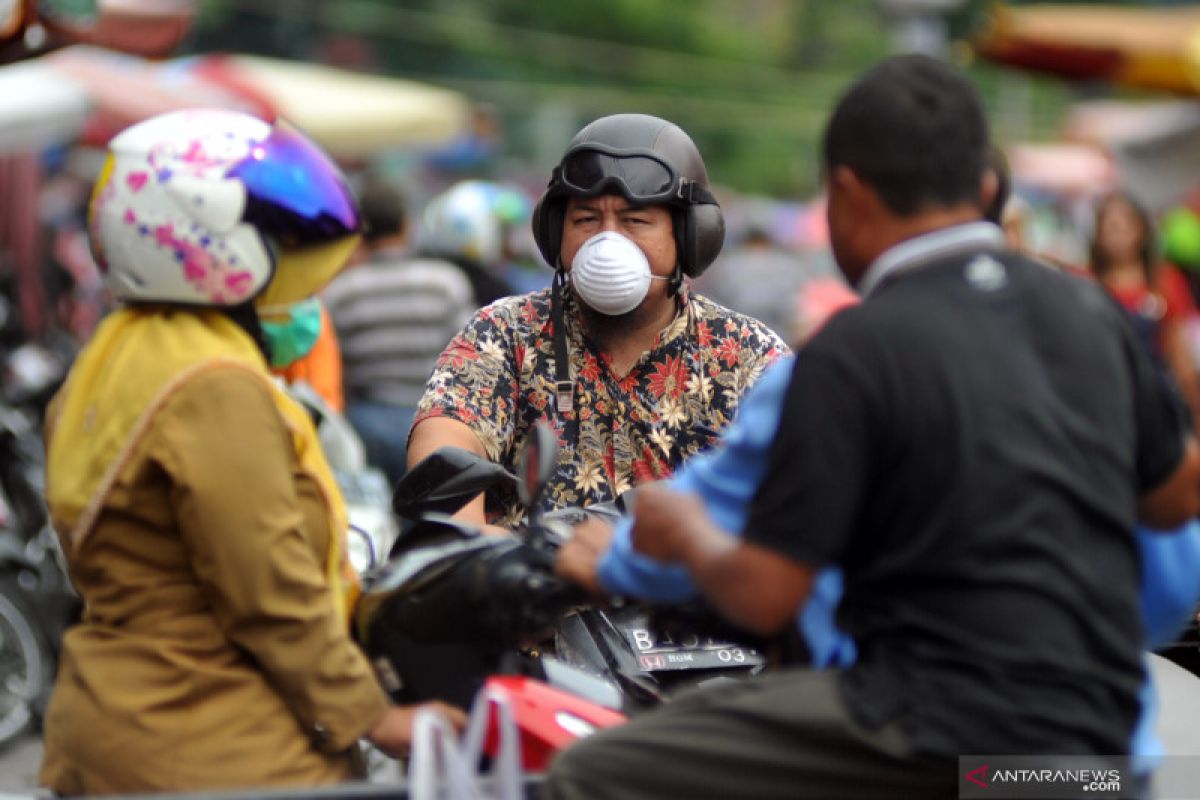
[676,282]
[564,387]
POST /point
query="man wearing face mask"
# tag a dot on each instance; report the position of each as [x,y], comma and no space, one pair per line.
[633,371]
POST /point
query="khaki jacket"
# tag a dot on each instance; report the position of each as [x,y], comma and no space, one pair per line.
[211,654]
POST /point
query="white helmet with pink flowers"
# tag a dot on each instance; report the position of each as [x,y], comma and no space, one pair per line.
[210,207]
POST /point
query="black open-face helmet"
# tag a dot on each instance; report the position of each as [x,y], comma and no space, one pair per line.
[646,160]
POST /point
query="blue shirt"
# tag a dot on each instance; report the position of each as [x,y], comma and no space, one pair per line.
[726,478]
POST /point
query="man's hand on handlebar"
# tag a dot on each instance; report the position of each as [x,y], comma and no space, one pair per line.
[579,558]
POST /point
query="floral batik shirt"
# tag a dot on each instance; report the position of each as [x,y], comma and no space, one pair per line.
[497,377]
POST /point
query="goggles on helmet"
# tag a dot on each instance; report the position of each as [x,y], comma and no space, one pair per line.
[294,191]
[639,175]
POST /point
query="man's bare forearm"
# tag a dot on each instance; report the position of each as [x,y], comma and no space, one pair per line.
[751,586]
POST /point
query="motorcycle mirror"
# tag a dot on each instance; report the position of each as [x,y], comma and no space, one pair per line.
[536,467]
[445,481]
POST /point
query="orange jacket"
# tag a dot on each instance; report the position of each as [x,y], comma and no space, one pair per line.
[322,367]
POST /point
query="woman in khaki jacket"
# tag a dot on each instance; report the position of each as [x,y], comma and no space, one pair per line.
[202,527]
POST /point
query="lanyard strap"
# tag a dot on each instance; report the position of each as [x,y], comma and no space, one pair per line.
[564,388]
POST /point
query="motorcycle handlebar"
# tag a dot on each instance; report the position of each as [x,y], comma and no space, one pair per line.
[534,583]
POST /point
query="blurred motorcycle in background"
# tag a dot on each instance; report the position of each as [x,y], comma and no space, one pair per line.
[373,526]
[37,602]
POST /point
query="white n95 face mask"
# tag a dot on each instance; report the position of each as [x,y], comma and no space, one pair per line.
[611,274]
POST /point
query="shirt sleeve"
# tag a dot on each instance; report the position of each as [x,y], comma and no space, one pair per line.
[1176,294]
[240,501]
[1170,580]
[818,468]
[475,382]
[762,347]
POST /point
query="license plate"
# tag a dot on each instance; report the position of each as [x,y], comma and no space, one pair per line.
[656,654]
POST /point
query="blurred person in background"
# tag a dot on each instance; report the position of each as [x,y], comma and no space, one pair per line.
[1180,238]
[470,224]
[393,312]
[633,371]
[1013,220]
[763,280]
[1124,258]
[304,348]
[201,524]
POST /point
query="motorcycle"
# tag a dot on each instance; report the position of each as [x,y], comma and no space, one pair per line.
[373,526]
[454,611]
[37,602]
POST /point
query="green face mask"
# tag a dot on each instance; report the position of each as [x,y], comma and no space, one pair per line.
[293,339]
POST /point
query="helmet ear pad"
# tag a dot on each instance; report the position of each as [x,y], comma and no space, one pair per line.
[699,236]
[547,224]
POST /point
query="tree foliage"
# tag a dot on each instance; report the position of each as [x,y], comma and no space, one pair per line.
[751,80]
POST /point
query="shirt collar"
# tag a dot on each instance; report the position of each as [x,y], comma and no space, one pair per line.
[920,250]
[679,326]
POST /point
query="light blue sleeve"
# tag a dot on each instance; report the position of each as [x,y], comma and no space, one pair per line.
[725,478]
[1170,592]
[1170,580]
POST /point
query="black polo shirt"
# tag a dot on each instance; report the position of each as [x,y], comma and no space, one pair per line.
[968,445]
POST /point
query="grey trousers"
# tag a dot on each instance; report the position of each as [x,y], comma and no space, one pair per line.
[783,735]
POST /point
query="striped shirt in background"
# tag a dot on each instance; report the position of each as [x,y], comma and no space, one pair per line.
[394,315]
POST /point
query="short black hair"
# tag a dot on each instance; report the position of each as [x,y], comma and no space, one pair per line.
[914,129]
[383,209]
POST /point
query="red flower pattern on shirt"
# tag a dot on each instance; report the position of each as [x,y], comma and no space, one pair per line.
[616,436]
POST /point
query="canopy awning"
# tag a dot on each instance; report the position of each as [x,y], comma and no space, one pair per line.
[1152,48]
[38,109]
[93,93]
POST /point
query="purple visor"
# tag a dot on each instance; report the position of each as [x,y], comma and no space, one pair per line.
[295,193]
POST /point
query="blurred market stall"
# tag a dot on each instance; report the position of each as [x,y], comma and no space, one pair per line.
[81,96]
[1149,48]
[351,114]
[1153,144]
[145,27]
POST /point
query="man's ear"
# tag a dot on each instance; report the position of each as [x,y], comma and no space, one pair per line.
[854,192]
[989,188]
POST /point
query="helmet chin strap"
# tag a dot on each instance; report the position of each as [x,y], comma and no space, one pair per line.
[676,281]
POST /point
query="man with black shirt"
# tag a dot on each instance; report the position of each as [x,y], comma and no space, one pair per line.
[971,445]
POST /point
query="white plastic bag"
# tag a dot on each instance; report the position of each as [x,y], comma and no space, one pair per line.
[442,768]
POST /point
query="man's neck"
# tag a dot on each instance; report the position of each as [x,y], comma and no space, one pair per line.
[888,231]
[626,338]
